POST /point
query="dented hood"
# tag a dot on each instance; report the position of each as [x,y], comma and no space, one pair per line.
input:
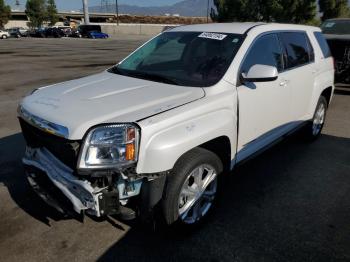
[105,98]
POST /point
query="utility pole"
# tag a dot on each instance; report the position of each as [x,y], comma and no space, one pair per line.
[117,11]
[86,12]
[207,11]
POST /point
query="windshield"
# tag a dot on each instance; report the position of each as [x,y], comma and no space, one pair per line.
[339,27]
[182,58]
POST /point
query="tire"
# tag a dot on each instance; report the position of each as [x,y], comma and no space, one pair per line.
[314,127]
[185,202]
[4,37]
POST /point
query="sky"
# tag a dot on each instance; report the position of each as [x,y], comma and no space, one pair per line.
[67,5]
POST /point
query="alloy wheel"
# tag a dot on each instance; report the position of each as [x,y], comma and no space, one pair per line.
[197,194]
[318,120]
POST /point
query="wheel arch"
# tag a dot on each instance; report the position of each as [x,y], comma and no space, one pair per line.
[221,146]
[327,93]
[160,151]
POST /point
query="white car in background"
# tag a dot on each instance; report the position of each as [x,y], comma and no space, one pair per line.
[4,34]
[161,127]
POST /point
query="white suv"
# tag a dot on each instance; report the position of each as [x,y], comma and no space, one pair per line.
[4,34]
[163,125]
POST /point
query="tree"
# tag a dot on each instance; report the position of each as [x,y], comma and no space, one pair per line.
[5,13]
[288,11]
[333,8]
[36,11]
[51,10]
[296,11]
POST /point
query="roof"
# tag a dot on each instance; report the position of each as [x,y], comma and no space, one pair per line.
[241,28]
[234,28]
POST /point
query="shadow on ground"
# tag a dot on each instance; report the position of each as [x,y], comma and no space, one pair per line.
[289,204]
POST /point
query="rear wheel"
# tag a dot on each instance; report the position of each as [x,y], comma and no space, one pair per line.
[192,187]
[4,37]
[314,128]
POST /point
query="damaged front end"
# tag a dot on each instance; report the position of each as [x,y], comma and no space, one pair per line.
[51,166]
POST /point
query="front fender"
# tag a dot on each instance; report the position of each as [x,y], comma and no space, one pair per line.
[166,137]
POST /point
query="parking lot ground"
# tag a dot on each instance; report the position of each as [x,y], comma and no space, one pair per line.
[291,203]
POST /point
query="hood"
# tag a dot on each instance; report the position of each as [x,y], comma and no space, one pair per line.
[105,98]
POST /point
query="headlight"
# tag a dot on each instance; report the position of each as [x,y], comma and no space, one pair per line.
[110,146]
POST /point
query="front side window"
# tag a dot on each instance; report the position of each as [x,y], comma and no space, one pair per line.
[265,51]
[183,58]
[296,48]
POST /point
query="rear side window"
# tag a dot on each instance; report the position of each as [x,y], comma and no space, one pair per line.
[323,44]
[265,51]
[296,49]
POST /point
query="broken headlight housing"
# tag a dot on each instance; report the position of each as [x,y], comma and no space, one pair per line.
[110,146]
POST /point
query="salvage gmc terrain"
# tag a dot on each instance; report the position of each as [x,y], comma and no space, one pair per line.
[162,126]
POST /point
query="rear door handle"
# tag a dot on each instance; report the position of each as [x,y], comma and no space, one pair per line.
[314,71]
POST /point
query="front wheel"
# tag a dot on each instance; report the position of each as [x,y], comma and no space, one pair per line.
[314,128]
[192,187]
[4,37]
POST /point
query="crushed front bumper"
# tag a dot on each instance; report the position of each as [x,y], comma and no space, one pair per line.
[59,187]
[80,193]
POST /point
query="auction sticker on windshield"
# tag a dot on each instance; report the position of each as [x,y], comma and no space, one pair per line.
[215,36]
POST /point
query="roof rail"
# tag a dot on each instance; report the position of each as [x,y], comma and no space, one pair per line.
[247,31]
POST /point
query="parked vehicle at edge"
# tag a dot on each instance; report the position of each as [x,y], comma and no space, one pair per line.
[337,33]
[4,34]
[18,32]
[14,33]
[163,126]
[54,32]
[75,33]
[84,30]
[38,32]
[96,35]
[66,30]
[50,32]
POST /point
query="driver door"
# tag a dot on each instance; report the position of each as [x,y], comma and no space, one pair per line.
[264,107]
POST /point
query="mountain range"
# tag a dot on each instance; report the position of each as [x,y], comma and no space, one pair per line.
[194,8]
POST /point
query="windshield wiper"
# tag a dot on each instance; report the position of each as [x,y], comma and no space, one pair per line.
[144,75]
[154,77]
[116,70]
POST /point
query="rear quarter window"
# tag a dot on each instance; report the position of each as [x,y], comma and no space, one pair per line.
[323,44]
[297,49]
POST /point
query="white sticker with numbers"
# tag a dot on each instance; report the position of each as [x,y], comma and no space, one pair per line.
[215,36]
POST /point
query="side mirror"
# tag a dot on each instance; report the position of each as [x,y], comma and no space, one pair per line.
[260,73]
